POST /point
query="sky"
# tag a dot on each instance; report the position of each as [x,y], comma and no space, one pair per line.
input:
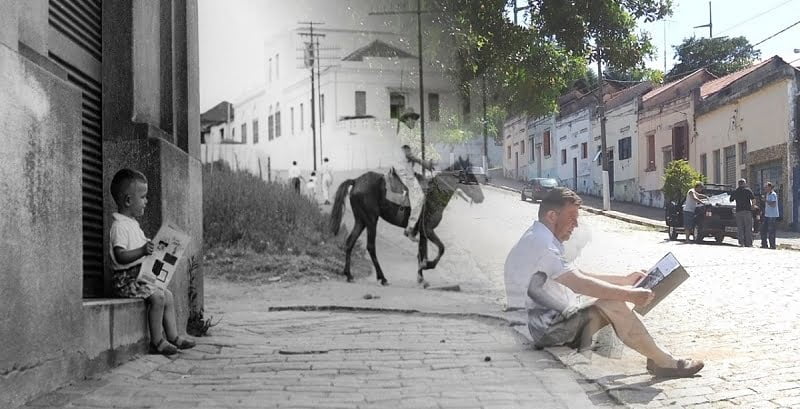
[232,33]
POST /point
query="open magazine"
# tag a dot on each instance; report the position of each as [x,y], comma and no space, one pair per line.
[159,267]
[662,279]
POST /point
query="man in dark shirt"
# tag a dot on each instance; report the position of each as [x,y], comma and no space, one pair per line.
[744,213]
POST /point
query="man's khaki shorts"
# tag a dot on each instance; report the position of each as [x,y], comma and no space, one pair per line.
[567,330]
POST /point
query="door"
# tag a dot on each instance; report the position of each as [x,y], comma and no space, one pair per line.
[575,173]
[516,165]
[538,161]
[611,172]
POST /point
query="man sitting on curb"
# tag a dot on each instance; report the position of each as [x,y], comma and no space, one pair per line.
[557,315]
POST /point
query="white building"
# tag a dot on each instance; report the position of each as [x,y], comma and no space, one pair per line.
[544,164]
[572,134]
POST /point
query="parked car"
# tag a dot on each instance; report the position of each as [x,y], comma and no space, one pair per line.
[537,188]
[713,218]
[473,174]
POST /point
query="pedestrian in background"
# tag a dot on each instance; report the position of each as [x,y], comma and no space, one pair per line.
[693,198]
[327,180]
[311,186]
[744,198]
[771,215]
[294,177]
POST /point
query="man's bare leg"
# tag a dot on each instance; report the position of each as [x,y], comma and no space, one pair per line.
[631,330]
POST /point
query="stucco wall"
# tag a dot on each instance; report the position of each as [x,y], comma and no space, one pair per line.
[40,160]
[571,131]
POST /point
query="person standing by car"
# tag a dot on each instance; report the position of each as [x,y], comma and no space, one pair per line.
[744,198]
[693,198]
[771,214]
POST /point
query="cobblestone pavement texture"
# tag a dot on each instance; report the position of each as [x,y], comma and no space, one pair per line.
[737,312]
[323,359]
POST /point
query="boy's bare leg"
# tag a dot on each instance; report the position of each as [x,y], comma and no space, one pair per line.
[155,313]
[170,327]
[631,330]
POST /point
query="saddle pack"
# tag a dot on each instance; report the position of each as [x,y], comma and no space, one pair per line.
[397,192]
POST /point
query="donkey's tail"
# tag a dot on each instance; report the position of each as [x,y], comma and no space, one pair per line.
[338,205]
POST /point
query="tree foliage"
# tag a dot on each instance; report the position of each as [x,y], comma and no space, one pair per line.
[634,75]
[720,56]
[679,177]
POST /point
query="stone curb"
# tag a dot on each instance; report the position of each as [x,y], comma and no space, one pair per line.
[632,220]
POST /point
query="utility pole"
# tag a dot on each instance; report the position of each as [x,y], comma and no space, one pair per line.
[601,113]
[321,102]
[709,25]
[310,61]
[485,128]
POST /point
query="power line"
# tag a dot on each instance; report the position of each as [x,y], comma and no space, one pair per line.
[779,32]
[755,17]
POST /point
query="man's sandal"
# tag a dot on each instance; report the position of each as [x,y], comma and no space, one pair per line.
[163,347]
[686,368]
[182,343]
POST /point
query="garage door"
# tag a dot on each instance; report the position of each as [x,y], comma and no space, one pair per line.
[75,43]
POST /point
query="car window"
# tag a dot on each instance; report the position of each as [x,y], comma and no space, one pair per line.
[476,169]
[549,183]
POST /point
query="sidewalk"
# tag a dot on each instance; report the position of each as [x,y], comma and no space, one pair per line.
[350,353]
[637,214]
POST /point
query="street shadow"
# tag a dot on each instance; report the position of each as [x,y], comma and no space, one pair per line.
[642,392]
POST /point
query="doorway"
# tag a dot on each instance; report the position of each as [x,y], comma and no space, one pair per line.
[575,174]
[611,173]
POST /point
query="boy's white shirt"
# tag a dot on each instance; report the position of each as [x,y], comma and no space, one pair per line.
[126,234]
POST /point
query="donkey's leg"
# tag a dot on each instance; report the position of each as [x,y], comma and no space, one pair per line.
[358,227]
[438,242]
[422,257]
[371,234]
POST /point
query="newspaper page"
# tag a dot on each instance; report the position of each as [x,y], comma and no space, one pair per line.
[662,279]
[159,267]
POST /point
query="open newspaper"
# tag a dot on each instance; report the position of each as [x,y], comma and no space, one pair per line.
[159,267]
[662,279]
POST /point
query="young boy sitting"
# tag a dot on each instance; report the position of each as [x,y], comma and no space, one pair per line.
[129,246]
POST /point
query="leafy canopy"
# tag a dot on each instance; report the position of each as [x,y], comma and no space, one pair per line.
[679,177]
[721,56]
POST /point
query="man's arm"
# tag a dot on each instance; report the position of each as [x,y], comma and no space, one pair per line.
[582,284]
[625,280]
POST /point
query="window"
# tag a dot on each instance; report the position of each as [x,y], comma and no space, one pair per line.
[742,153]
[509,152]
[704,164]
[668,155]
[522,147]
[625,148]
[322,108]
[277,66]
[716,166]
[361,103]
[255,131]
[563,156]
[680,142]
[244,133]
[270,70]
[546,143]
[651,152]
[278,120]
[301,116]
[271,127]
[291,119]
[221,134]
[584,150]
[433,107]
[598,156]
[530,143]
[397,103]
[730,165]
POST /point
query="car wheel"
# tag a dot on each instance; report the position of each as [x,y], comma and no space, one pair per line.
[672,232]
[524,199]
[719,238]
[698,237]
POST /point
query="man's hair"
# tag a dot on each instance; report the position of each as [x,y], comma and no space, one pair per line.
[742,182]
[405,147]
[325,160]
[556,199]
[313,173]
[698,184]
[122,181]
[769,184]
[294,162]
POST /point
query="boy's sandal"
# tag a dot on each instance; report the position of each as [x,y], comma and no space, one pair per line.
[163,347]
[182,343]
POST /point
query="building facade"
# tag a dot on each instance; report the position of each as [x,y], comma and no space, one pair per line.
[89,87]
[540,136]
[515,140]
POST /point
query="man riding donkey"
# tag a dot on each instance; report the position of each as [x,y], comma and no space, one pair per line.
[404,161]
